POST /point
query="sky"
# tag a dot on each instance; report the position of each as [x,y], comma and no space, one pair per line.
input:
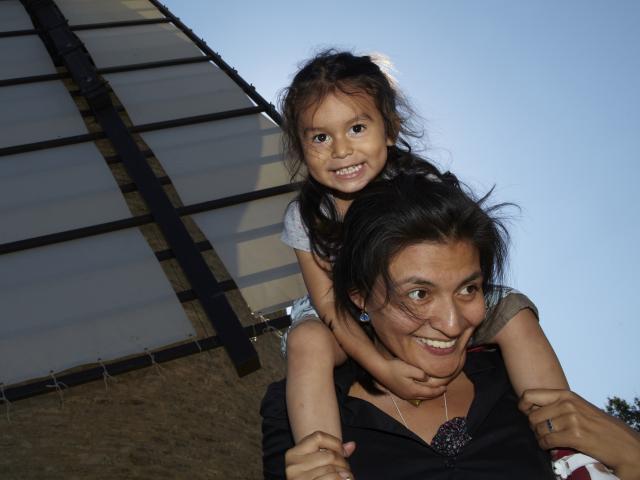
[540,99]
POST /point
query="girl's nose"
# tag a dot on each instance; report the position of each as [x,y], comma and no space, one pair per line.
[341,148]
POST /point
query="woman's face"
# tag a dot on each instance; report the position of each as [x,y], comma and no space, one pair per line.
[437,304]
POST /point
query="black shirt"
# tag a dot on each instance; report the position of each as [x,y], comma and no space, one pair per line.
[502,445]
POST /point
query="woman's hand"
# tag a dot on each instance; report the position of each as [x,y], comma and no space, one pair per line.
[575,423]
[409,382]
[319,456]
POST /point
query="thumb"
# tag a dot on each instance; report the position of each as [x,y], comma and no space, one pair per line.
[539,397]
[415,373]
[348,448]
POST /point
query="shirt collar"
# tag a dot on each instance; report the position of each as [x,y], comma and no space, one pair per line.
[484,368]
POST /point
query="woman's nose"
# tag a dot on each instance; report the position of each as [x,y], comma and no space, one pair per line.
[447,318]
[341,148]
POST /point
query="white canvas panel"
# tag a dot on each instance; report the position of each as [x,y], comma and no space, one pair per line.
[222,158]
[111,47]
[70,304]
[49,191]
[13,16]
[37,111]
[24,56]
[82,12]
[247,239]
[167,93]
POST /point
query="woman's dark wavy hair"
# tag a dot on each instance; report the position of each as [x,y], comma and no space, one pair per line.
[409,209]
[333,71]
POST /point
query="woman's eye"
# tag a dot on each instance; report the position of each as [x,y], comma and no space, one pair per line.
[358,128]
[469,290]
[320,138]
[418,294]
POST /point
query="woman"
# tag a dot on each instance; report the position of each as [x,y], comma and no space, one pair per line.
[416,258]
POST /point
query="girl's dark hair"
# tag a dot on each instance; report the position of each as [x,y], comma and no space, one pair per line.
[328,72]
[405,210]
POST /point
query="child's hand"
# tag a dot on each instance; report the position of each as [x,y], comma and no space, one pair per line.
[319,455]
[409,382]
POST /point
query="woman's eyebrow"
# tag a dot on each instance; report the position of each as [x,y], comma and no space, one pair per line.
[415,280]
[471,278]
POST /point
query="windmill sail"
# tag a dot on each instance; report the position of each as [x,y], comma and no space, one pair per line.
[139,174]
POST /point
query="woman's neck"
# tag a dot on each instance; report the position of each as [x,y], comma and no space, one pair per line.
[425,419]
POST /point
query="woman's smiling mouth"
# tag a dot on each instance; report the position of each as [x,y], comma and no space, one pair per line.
[444,345]
[437,347]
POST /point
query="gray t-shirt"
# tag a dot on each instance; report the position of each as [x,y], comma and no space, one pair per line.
[294,233]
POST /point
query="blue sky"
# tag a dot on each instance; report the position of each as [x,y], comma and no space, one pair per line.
[540,98]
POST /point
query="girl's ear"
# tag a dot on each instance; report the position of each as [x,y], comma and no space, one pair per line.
[393,136]
[357,299]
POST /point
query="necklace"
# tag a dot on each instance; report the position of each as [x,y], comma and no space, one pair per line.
[446,410]
[452,435]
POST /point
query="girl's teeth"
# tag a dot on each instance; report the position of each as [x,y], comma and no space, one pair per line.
[349,170]
[437,343]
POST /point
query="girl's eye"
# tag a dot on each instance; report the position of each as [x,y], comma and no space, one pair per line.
[358,128]
[418,294]
[320,138]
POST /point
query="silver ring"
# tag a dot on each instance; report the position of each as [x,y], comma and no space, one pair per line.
[549,425]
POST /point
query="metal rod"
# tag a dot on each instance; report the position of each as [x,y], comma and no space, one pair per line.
[224,66]
[138,221]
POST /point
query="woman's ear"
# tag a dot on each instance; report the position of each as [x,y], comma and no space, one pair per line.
[357,299]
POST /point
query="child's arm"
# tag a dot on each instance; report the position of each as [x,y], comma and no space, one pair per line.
[528,355]
[312,353]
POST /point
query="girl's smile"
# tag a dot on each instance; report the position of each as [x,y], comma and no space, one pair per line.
[344,142]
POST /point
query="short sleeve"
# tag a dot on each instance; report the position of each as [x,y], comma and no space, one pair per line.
[294,233]
[502,306]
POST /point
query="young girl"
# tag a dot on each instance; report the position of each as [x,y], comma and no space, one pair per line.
[346,125]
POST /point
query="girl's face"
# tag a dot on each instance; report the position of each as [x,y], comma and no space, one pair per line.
[344,142]
[441,284]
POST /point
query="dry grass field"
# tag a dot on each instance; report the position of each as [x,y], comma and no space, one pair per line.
[191,418]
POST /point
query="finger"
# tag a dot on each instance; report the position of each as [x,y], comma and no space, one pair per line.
[554,440]
[541,414]
[422,392]
[433,382]
[411,372]
[541,397]
[548,426]
[317,440]
[566,405]
[340,475]
[299,466]
[348,448]
[324,472]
